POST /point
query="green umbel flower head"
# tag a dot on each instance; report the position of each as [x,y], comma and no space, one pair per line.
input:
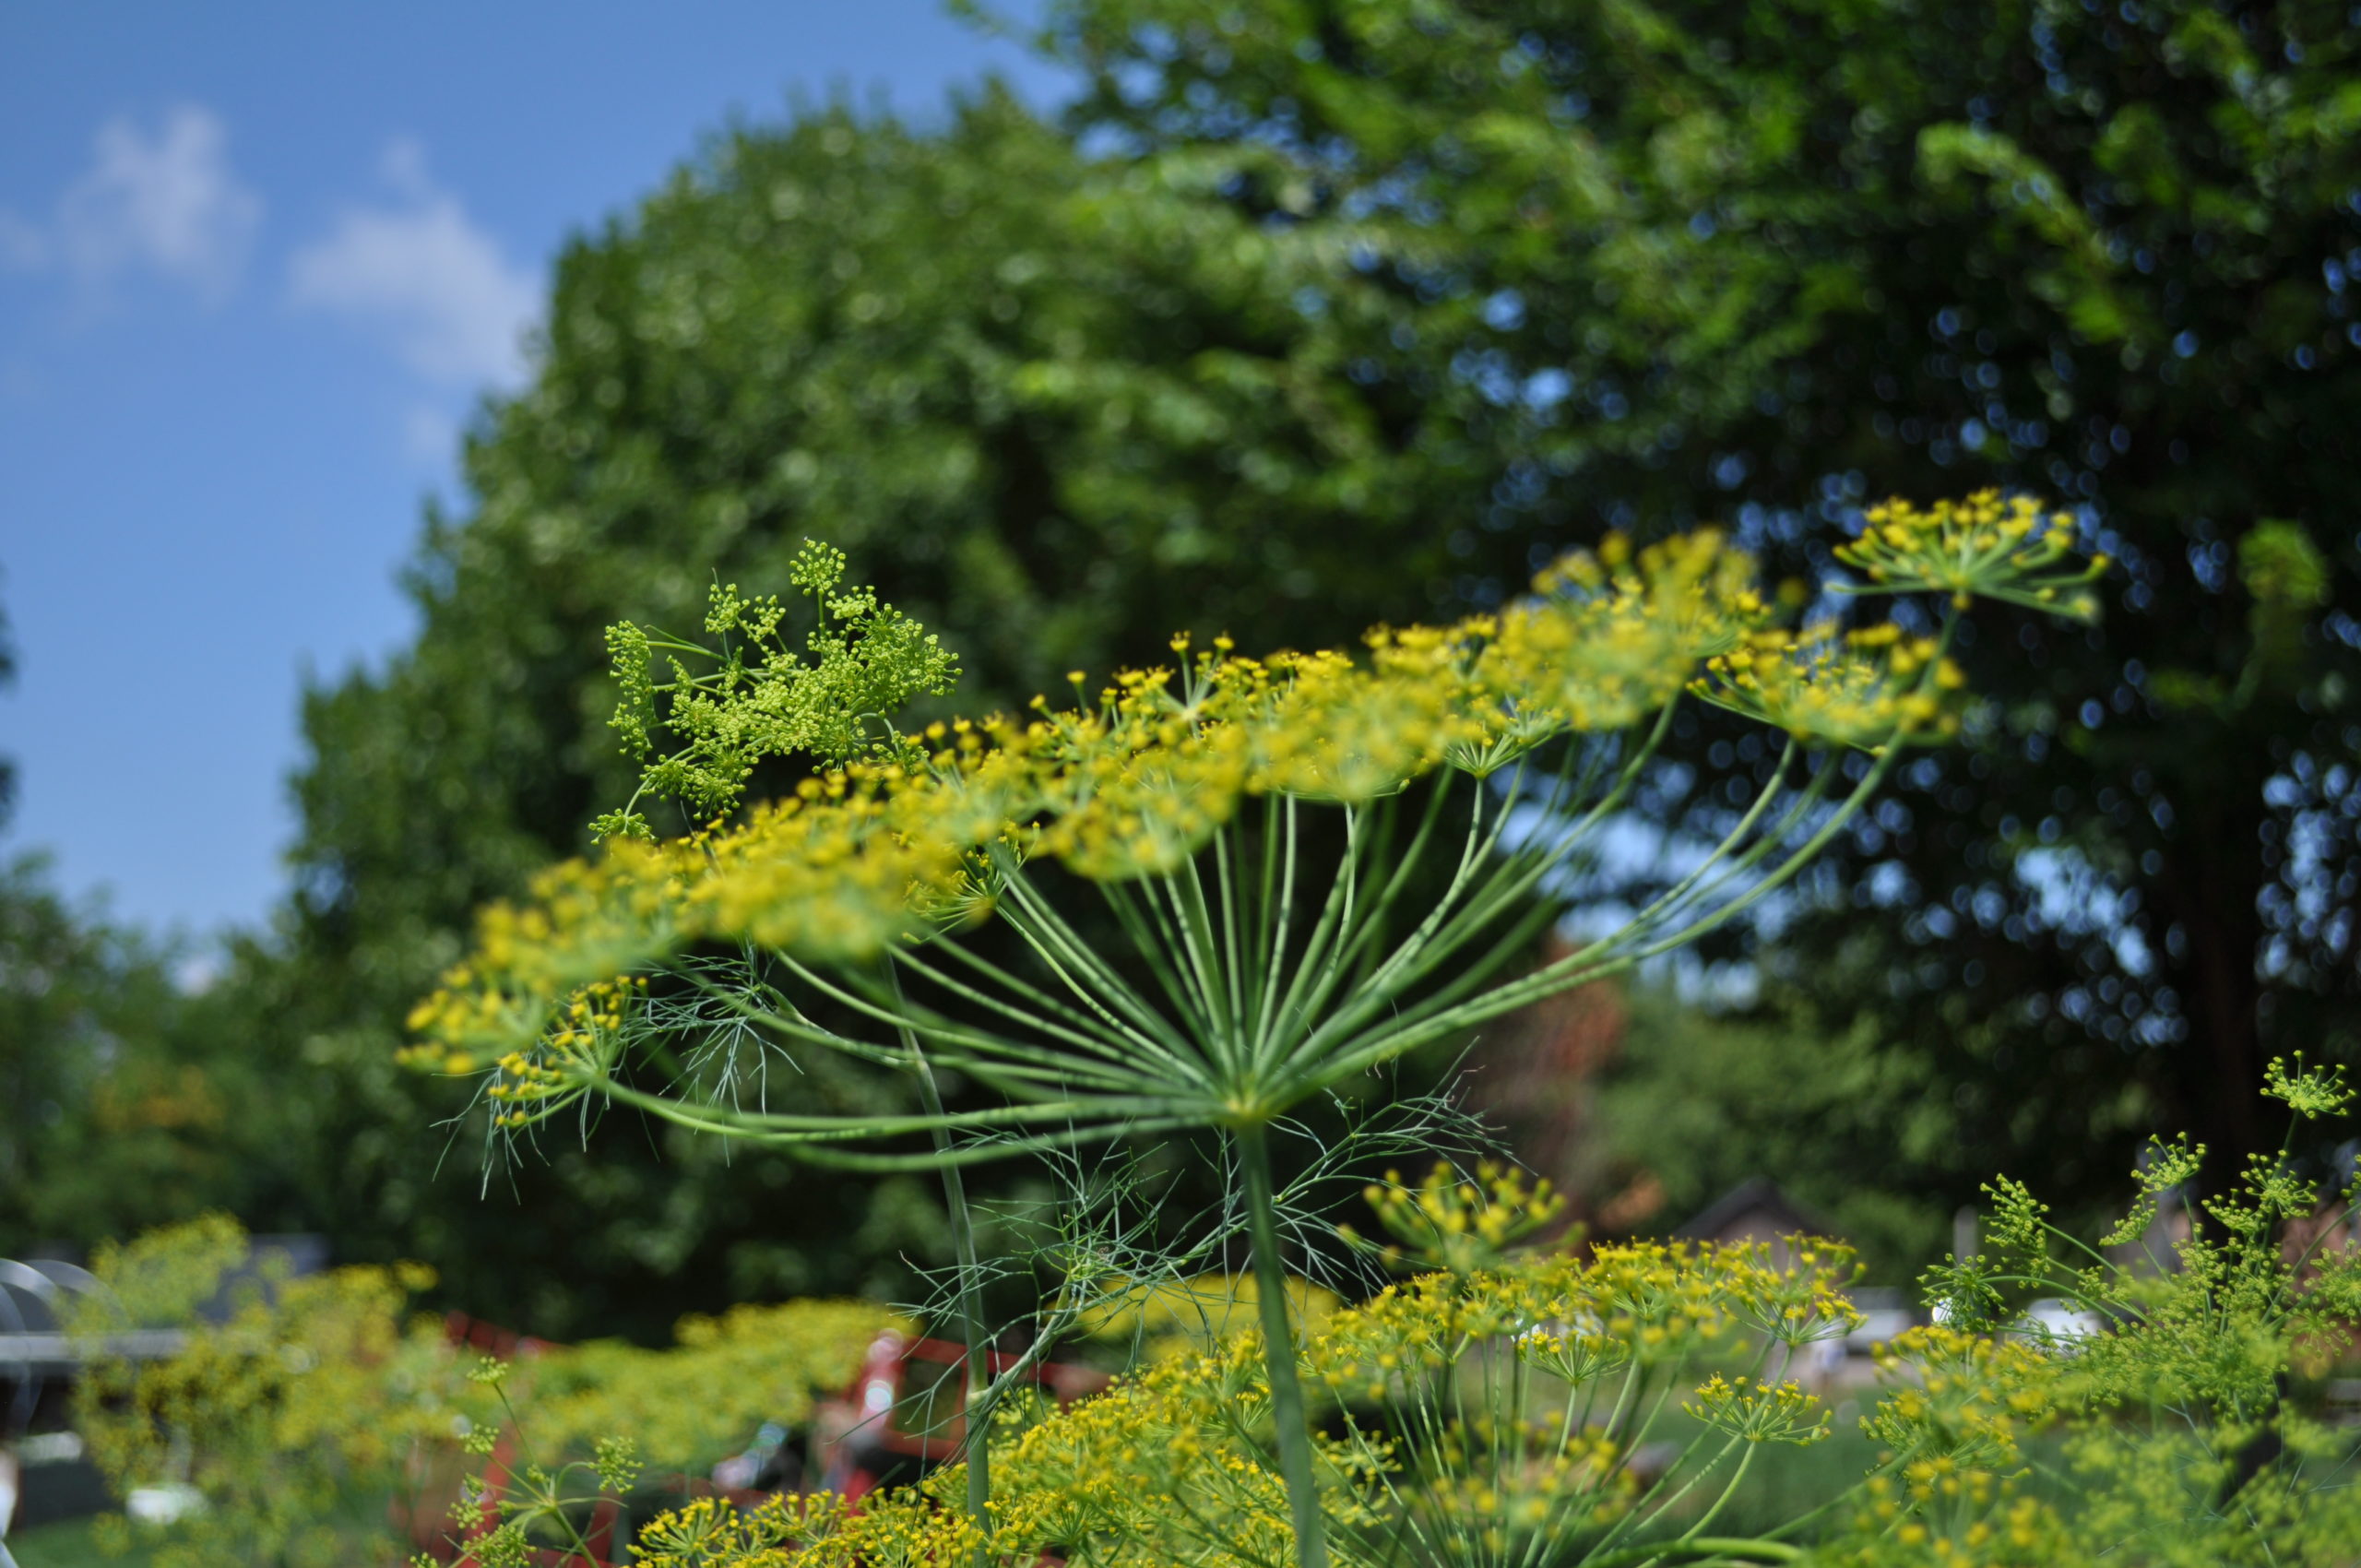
[756,697]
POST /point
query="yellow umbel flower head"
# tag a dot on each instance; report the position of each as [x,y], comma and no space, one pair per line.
[1984,547]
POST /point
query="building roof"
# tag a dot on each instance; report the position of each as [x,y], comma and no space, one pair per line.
[1757,1209]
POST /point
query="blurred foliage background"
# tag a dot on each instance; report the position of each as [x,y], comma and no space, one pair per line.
[1316,313]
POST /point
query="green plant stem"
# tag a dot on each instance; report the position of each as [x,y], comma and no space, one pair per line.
[1745,1458]
[1740,1548]
[1288,1415]
[977,1407]
[555,1508]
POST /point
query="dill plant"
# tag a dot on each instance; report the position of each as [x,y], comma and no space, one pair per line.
[1499,1409]
[1508,1411]
[2178,1428]
[324,1403]
[1520,1411]
[1316,863]
[308,1398]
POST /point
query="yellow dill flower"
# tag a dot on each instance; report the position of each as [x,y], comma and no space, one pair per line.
[1759,1412]
[1600,646]
[1862,689]
[1457,1223]
[1982,547]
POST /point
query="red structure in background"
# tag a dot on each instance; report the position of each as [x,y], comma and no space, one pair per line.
[428,1515]
[467,1333]
[1537,1076]
[903,1413]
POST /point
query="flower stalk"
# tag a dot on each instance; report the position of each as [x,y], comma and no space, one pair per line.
[1291,1426]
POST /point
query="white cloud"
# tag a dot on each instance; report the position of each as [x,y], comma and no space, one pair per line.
[167,204]
[424,276]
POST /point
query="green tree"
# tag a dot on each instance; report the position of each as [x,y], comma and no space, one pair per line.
[1768,259]
[1853,1124]
[1053,412]
[1318,314]
[113,1115]
[7,678]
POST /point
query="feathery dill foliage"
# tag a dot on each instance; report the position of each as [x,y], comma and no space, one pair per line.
[1263,969]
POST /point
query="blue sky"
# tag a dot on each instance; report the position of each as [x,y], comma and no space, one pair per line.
[257,263]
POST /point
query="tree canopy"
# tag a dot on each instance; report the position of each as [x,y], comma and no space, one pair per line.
[1306,316]
[1770,260]
[116,1108]
[1055,412]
